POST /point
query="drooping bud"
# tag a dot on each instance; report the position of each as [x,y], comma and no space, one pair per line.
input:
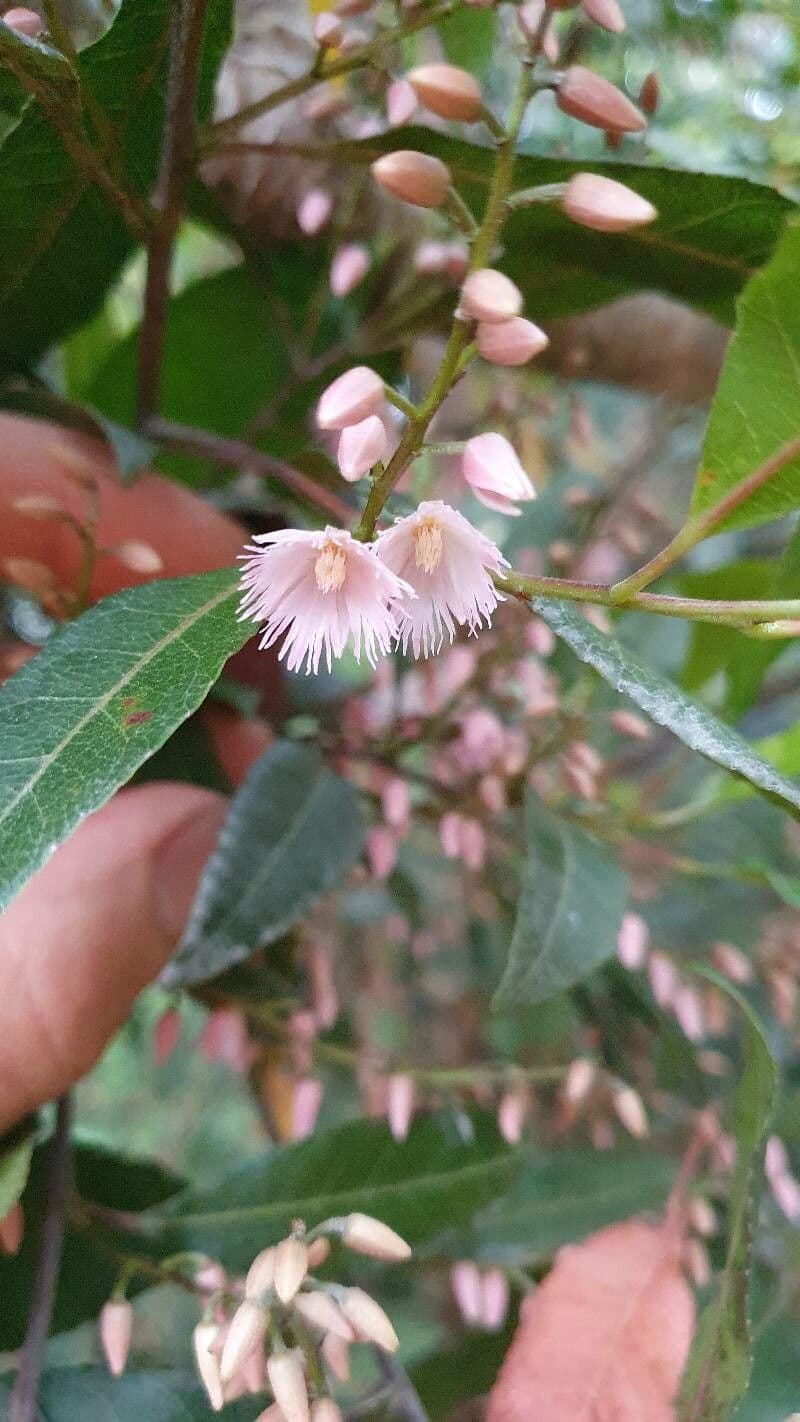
[246,1331]
[381,850]
[466,1283]
[578,1080]
[732,962]
[663,977]
[207,1363]
[473,844]
[369,1236]
[450,834]
[649,94]
[494,473]
[166,1035]
[360,447]
[328,35]
[605,205]
[698,1264]
[288,1383]
[511,1115]
[401,101]
[605,13]
[325,1410]
[307,1095]
[321,1312]
[139,557]
[400,1096]
[447,91]
[315,207]
[318,1251]
[688,1010]
[115,1327]
[415,178]
[369,1321]
[630,1110]
[628,723]
[336,1354]
[587,96]
[253,1374]
[396,802]
[349,266]
[350,398]
[12,1229]
[25,22]
[291,1267]
[487,295]
[632,941]
[529,19]
[702,1216]
[260,1275]
[494,1300]
[513,342]
[210,1277]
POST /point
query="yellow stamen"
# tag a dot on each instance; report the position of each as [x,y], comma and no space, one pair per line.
[330,568]
[428,545]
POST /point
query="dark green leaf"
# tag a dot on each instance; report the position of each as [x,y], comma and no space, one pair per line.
[755,407]
[292,831]
[456,1375]
[773,1392]
[715,649]
[133,668]
[87,1394]
[719,1366]
[666,704]
[468,37]
[430,1181]
[573,898]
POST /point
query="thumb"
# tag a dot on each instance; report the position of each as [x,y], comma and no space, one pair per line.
[90,930]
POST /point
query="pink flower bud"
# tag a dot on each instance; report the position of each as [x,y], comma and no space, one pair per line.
[492,792]
[487,295]
[539,637]
[579,1080]
[494,473]
[513,342]
[116,1327]
[349,267]
[702,1216]
[688,1009]
[511,1115]
[605,13]
[207,1363]
[400,1104]
[396,802]
[325,1410]
[776,1158]
[319,1309]
[225,1039]
[448,92]
[307,1096]
[415,178]
[629,1108]
[483,738]
[328,34]
[210,1277]
[253,1373]
[586,96]
[698,1265]
[374,1238]
[473,844]
[368,1319]
[663,978]
[288,1383]
[25,22]
[324,997]
[291,1267]
[529,18]
[139,557]
[246,1332]
[450,834]
[732,962]
[336,1354]
[494,1300]
[632,941]
[786,1194]
[318,1251]
[605,205]
[350,398]
[12,1229]
[465,1281]
[166,1035]
[315,207]
[401,101]
[381,850]
[628,723]
[360,447]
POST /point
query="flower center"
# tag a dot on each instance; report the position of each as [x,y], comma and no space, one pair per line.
[428,545]
[330,568]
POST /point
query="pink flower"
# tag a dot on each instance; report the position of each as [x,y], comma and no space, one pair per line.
[349,267]
[320,589]
[449,565]
[494,473]
[400,1099]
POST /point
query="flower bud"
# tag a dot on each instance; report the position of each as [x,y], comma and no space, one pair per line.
[116,1327]
[630,1110]
[260,1275]
[349,266]
[732,962]
[288,1383]
[139,557]
[447,91]
[511,1115]
[688,1010]
[25,22]
[396,802]
[336,1354]
[370,1322]
[315,207]
[578,1080]
[318,1251]
[325,1410]
[12,1229]
[649,94]
[702,1216]
[327,31]
[415,178]
[494,473]
[210,1277]
[487,295]
[291,1267]
[270,1414]
[381,850]
[588,97]
[166,1035]
[207,1364]
[513,342]
[307,1096]
[628,723]
[494,1300]
[369,1236]
[466,1283]
[246,1331]
[401,101]
[450,834]
[473,844]
[319,1309]
[605,205]
[529,19]
[698,1264]
[400,1106]
[663,977]
[632,941]
[350,398]
[605,13]
[253,1373]
[360,447]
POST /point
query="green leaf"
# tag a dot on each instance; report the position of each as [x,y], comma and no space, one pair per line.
[782,751]
[715,649]
[157,1394]
[755,406]
[468,37]
[433,1179]
[291,833]
[773,1391]
[719,1367]
[456,1375]
[713,232]
[666,704]
[14,1168]
[132,668]
[572,901]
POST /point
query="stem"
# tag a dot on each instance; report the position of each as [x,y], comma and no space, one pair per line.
[177,156]
[691,609]
[22,1406]
[405,1397]
[701,527]
[401,403]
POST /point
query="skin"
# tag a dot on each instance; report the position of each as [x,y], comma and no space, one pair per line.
[98,922]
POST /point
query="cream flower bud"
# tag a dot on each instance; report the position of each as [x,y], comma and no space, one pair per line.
[605,13]
[307,1094]
[336,1354]
[688,1009]
[315,207]
[139,557]
[588,97]
[260,1275]
[288,1383]
[511,1113]
[487,295]
[25,22]
[702,1216]
[318,1251]
[401,101]
[466,1283]
[12,1229]
[494,1300]
[350,398]
[321,1312]
[325,1410]
[370,1236]
[447,91]
[244,1335]
[605,205]
[415,178]
[400,1097]
[360,447]
[513,342]
[632,941]
[327,30]
[732,962]
[370,1322]
[630,1110]
[578,1080]
[291,1267]
[381,848]
[349,266]
[115,1327]
[207,1363]
[494,473]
